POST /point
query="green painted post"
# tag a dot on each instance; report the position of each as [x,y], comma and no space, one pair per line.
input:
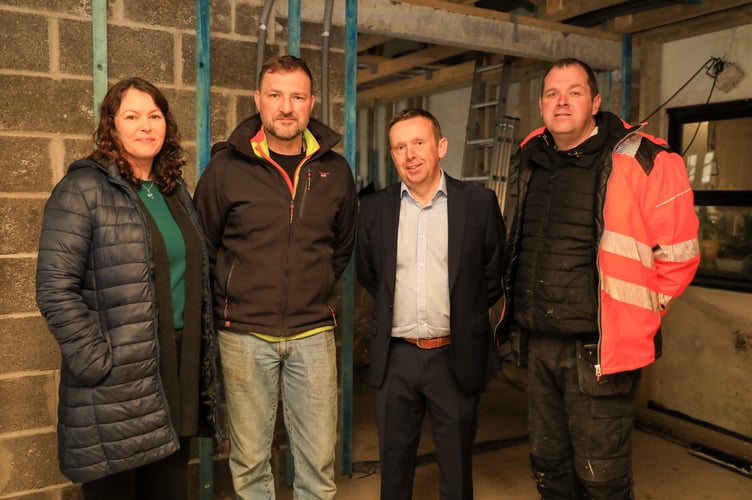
[293,27]
[203,137]
[348,280]
[99,53]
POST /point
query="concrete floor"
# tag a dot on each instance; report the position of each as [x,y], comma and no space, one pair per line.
[664,470]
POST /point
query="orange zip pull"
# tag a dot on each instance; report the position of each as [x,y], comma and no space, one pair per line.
[292,210]
[308,184]
[334,316]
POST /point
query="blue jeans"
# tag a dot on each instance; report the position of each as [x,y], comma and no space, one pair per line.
[306,372]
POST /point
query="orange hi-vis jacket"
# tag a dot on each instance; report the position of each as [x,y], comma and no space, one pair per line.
[646,236]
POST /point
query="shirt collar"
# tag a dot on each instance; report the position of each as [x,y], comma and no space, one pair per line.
[404,191]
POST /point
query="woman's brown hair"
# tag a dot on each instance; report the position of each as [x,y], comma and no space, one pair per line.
[167,169]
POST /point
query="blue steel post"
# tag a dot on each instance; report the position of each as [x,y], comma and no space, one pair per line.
[626,81]
[347,328]
[99,53]
[293,27]
[202,84]
[293,49]
[205,451]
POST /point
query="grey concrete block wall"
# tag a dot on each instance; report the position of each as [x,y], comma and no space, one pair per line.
[46,122]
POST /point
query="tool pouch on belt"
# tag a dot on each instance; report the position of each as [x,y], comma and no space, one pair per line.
[607,385]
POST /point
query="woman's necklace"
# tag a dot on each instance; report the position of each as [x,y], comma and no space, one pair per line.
[148,188]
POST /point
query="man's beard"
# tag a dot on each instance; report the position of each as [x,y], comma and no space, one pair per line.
[284,134]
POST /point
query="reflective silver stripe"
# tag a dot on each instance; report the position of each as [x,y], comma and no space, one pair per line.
[634,294]
[665,300]
[678,252]
[629,145]
[627,246]
[677,195]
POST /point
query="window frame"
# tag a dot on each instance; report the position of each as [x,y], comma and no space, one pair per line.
[677,118]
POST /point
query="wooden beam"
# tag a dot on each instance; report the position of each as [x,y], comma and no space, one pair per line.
[656,18]
[372,59]
[558,10]
[441,23]
[417,58]
[439,79]
[700,26]
[366,42]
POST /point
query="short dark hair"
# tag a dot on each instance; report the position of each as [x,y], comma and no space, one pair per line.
[169,162]
[571,61]
[409,113]
[285,63]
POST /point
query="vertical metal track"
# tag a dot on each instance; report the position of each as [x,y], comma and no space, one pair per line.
[348,280]
[325,32]
[293,49]
[293,27]
[205,448]
[203,108]
[99,52]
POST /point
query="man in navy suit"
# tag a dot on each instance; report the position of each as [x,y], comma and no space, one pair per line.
[429,251]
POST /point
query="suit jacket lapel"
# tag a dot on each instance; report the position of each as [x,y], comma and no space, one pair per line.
[390,230]
[457,204]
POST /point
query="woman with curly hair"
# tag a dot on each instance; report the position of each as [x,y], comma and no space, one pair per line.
[122,280]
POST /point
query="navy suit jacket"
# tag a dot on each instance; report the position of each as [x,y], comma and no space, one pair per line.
[476,243]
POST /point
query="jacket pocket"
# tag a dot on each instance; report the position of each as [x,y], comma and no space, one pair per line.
[607,385]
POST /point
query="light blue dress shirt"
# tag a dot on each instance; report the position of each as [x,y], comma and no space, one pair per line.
[421,294]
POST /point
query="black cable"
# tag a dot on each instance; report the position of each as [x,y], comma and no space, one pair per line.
[706,66]
[697,129]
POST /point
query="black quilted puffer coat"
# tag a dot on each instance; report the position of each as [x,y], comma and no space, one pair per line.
[96,290]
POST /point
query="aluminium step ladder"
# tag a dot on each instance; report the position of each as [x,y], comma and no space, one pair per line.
[489,136]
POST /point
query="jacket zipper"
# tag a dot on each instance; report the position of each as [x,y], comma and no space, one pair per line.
[597,365]
[226,308]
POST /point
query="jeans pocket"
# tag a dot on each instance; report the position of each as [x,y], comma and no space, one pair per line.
[605,385]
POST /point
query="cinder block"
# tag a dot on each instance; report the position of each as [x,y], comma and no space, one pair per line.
[29,462]
[20,220]
[66,108]
[221,16]
[190,171]
[30,402]
[28,345]
[147,53]
[21,51]
[183,108]
[337,75]
[75,52]
[233,63]
[312,34]
[173,13]
[17,277]
[338,117]
[76,149]
[247,18]
[74,7]
[25,164]
[244,108]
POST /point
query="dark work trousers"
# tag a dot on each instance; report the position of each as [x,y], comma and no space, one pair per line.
[417,380]
[162,480]
[580,427]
